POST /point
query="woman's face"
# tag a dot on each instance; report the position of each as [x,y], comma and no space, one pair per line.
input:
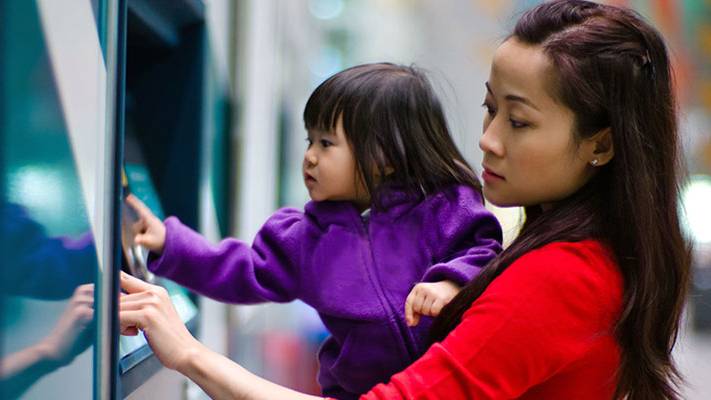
[530,155]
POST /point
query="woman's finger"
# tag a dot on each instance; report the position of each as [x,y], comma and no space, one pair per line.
[131,331]
[132,320]
[134,285]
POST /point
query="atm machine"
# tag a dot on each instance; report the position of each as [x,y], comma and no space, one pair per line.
[170,146]
[135,363]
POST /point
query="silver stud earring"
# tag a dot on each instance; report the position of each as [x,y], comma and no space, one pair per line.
[594,162]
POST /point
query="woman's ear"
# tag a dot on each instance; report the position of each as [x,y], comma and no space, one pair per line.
[600,148]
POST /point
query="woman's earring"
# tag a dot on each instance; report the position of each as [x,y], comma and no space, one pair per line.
[594,162]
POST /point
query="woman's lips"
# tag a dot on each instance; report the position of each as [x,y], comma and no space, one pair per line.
[490,176]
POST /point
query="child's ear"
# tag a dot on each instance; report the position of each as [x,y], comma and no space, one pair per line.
[600,148]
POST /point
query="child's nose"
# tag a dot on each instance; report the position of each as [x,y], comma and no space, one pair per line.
[310,159]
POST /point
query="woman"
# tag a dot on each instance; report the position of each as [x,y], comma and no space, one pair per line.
[586,302]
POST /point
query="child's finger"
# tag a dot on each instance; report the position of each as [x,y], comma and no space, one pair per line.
[417,303]
[409,314]
[141,239]
[415,319]
[437,306]
[138,205]
[139,226]
[427,305]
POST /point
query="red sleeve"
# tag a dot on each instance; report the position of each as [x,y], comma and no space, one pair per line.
[540,315]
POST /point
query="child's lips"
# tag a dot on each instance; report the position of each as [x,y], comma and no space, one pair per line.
[308,178]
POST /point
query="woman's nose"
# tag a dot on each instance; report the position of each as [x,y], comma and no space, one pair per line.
[489,142]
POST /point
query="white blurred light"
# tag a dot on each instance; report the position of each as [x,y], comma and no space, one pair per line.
[696,203]
[326,9]
[38,188]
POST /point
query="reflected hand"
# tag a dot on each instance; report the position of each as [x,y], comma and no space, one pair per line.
[70,336]
[149,230]
[148,308]
[428,299]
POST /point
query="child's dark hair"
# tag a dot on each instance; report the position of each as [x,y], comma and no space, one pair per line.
[395,125]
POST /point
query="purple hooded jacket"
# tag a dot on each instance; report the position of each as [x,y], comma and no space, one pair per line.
[356,272]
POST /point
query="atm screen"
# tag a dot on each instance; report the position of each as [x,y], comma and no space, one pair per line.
[136,180]
[135,257]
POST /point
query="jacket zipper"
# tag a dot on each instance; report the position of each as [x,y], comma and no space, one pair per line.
[400,334]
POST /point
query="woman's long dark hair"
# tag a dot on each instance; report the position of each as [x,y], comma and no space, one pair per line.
[395,125]
[613,71]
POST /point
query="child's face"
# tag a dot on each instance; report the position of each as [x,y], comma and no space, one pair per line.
[330,168]
[530,154]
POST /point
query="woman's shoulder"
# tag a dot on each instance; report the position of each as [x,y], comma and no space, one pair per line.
[585,254]
[587,267]
[577,278]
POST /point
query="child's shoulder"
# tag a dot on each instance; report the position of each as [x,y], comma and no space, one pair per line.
[457,196]
[457,206]
[285,217]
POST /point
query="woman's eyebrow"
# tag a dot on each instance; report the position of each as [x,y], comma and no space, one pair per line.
[513,97]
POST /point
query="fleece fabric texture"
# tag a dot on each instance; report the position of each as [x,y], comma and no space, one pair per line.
[356,272]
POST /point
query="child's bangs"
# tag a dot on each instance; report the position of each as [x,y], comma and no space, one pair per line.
[324,107]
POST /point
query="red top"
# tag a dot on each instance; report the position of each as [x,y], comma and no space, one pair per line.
[541,330]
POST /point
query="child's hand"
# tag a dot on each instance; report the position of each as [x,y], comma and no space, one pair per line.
[149,230]
[428,299]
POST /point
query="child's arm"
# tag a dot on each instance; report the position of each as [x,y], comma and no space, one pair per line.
[464,246]
[231,271]
[466,236]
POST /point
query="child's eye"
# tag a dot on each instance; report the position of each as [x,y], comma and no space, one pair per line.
[326,143]
[517,124]
[309,142]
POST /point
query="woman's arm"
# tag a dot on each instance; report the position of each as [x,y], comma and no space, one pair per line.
[222,378]
[537,317]
[148,308]
[552,309]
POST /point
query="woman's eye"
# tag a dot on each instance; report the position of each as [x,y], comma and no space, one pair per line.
[489,109]
[326,143]
[517,124]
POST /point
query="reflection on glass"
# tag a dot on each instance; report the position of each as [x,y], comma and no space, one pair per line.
[48,267]
[38,268]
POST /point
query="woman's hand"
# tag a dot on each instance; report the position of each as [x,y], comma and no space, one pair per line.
[428,299]
[148,308]
[149,230]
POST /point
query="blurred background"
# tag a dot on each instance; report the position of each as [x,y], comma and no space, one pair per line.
[197,105]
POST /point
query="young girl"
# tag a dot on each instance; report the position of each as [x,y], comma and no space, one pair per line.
[396,214]
[586,302]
